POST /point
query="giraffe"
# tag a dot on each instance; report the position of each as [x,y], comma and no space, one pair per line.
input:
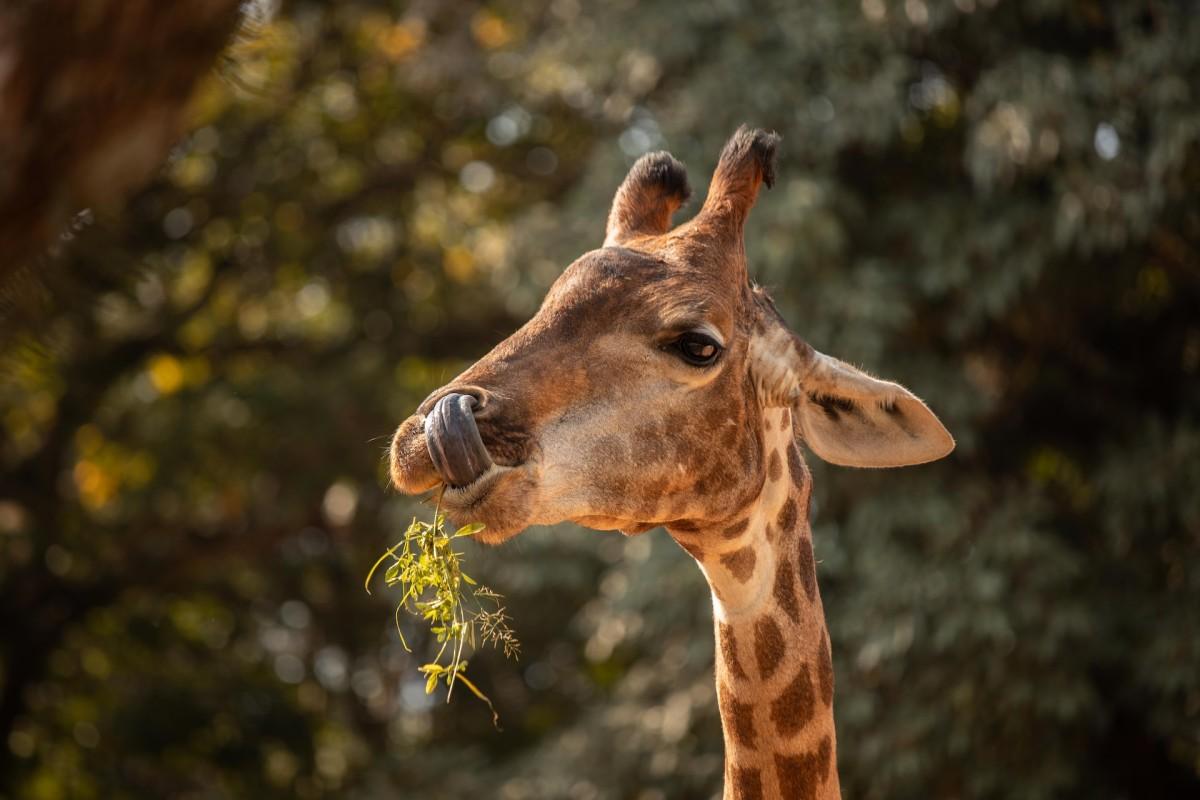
[658,386]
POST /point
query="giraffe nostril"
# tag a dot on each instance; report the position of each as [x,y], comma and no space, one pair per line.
[453,440]
[480,397]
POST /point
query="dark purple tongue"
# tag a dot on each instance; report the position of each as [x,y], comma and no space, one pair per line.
[453,440]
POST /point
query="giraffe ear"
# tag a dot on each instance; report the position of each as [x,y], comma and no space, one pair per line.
[846,416]
[850,418]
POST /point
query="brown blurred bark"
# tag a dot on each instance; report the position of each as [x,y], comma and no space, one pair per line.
[91,99]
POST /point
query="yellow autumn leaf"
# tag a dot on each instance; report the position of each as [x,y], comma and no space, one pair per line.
[166,374]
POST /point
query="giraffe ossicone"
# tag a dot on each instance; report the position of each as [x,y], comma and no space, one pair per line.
[657,386]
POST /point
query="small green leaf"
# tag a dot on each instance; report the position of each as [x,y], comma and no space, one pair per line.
[469,530]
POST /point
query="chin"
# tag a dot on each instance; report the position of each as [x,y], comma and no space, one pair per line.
[500,499]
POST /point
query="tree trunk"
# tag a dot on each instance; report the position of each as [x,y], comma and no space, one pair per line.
[92,97]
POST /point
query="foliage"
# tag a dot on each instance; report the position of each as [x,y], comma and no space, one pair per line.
[429,572]
[990,201]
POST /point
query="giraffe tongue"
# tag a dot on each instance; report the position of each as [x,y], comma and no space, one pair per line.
[453,440]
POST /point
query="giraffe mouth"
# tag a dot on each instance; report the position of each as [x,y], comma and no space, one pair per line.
[454,443]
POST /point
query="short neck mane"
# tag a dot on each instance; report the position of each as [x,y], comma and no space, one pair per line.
[773,668]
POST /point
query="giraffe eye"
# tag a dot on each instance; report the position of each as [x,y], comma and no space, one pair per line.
[697,349]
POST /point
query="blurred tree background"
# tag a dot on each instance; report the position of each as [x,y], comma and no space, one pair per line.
[992,201]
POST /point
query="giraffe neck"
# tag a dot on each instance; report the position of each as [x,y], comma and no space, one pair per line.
[773,669]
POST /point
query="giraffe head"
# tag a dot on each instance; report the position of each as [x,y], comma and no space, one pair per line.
[635,397]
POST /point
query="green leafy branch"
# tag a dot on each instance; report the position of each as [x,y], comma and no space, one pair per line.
[459,611]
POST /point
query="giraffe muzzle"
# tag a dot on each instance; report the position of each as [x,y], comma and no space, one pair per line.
[453,440]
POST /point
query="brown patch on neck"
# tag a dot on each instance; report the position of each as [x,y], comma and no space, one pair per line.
[787,515]
[774,466]
[737,717]
[801,776]
[740,563]
[825,671]
[785,589]
[747,783]
[798,471]
[729,653]
[769,647]
[807,567]
[736,529]
[795,706]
